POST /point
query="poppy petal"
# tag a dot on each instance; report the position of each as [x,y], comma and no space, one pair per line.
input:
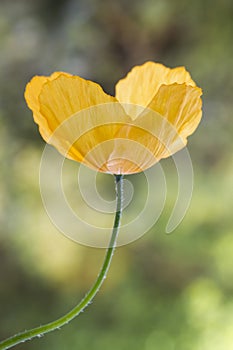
[142,83]
[75,115]
[32,92]
[162,128]
[180,105]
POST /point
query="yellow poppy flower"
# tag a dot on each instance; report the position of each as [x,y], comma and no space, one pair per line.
[155,109]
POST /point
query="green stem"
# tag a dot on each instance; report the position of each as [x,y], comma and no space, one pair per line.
[49,327]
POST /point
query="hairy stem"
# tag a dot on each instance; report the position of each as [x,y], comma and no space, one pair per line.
[57,324]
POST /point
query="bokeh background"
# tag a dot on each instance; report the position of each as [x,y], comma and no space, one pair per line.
[166,292]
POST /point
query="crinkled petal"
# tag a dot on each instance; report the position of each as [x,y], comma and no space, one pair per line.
[57,97]
[162,128]
[32,92]
[80,117]
[54,100]
[89,135]
[147,139]
[180,105]
[142,83]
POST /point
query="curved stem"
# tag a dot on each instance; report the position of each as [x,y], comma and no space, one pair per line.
[57,324]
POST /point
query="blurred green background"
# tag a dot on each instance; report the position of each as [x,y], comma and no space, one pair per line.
[166,292]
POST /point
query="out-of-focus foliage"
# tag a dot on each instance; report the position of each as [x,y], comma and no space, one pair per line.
[163,292]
